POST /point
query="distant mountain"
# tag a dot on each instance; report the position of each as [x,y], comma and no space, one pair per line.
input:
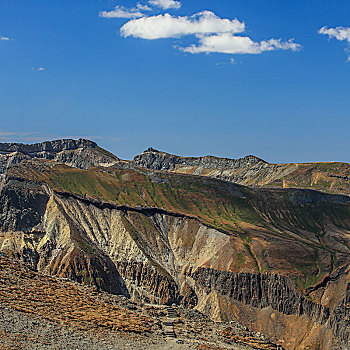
[276,260]
[332,177]
[77,153]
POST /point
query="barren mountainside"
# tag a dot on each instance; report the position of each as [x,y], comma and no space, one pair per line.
[234,239]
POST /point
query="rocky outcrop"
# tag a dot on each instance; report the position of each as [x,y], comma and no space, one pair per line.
[161,288]
[80,153]
[154,159]
[246,171]
[340,320]
[22,206]
[261,291]
[47,146]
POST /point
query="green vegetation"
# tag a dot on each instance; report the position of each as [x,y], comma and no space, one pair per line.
[246,246]
[240,259]
[309,279]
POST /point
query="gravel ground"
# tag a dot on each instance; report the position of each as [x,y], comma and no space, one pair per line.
[29,332]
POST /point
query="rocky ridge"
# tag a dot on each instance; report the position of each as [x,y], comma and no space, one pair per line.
[253,171]
[80,153]
[154,159]
[232,252]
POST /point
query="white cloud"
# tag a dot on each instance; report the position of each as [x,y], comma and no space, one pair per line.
[143,7]
[167,26]
[123,12]
[339,33]
[223,64]
[231,44]
[214,34]
[4,38]
[166,4]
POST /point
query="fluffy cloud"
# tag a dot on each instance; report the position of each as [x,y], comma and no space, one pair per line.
[231,44]
[167,26]
[123,12]
[166,4]
[339,33]
[214,34]
[4,38]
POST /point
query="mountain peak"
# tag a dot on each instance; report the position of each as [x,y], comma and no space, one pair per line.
[81,153]
[52,146]
[151,150]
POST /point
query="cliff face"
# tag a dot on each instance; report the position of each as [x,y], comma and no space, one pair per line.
[253,171]
[261,290]
[80,153]
[276,261]
[340,319]
[47,146]
[274,307]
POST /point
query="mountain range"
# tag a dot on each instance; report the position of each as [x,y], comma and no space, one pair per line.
[243,240]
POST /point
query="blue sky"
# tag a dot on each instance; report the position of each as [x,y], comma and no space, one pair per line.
[227,78]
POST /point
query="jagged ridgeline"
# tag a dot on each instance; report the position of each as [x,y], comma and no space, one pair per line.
[240,240]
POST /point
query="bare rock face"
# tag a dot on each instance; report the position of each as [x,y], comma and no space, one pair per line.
[47,146]
[161,288]
[261,290]
[22,206]
[80,153]
[340,319]
[154,159]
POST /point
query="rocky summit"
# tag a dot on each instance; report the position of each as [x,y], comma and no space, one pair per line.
[171,252]
[77,153]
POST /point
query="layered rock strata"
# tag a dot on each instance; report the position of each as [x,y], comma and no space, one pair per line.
[80,153]
[261,291]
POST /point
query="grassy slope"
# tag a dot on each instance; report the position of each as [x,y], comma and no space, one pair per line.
[259,218]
